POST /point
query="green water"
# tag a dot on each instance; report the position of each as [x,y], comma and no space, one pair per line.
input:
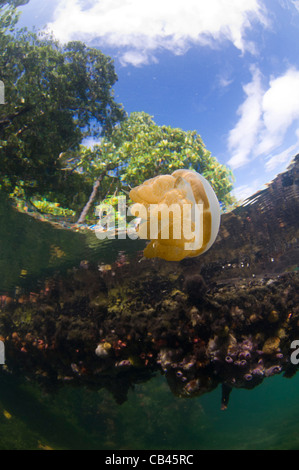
[152,418]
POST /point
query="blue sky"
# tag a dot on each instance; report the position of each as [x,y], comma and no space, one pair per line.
[227,69]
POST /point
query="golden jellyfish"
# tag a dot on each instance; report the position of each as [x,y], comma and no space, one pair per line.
[179,213]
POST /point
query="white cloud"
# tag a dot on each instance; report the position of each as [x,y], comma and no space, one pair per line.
[143,27]
[282,157]
[243,137]
[224,82]
[266,117]
[136,58]
[296,4]
[280,109]
[244,191]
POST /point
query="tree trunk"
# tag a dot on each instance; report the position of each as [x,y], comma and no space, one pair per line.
[91,199]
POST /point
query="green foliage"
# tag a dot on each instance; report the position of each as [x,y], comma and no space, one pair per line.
[13,3]
[43,205]
[55,96]
[53,208]
[8,20]
[152,150]
[58,95]
[113,202]
[139,149]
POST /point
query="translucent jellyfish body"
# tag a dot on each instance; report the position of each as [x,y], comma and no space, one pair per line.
[179,213]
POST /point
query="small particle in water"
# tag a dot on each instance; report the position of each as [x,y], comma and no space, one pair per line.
[6,414]
[56,252]
[44,446]
[75,368]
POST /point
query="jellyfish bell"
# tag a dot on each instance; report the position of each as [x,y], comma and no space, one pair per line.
[204,193]
[167,204]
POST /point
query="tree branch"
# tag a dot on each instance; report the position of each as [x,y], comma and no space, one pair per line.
[91,198]
[8,119]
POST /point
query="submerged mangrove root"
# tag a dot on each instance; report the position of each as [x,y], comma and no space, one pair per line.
[228,317]
[88,330]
